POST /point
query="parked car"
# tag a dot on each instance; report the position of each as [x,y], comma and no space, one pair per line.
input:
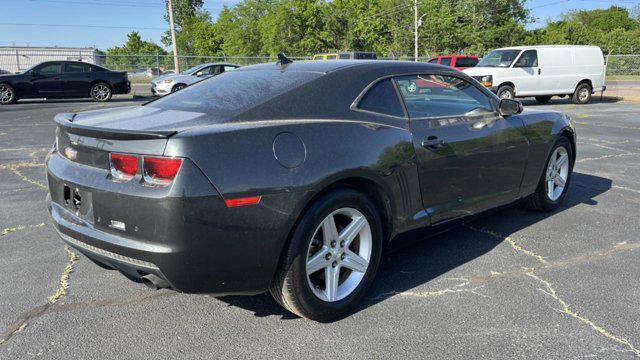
[63,79]
[543,72]
[459,62]
[347,55]
[292,177]
[173,82]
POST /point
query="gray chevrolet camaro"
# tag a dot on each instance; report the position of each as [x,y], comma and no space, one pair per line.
[292,177]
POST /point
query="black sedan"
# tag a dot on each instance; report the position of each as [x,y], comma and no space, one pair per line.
[63,79]
[293,177]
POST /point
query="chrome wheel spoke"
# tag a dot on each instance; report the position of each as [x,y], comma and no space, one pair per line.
[351,231]
[562,160]
[318,261]
[332,278]
[329,229]
[550,192]
[558,180]
[355,262]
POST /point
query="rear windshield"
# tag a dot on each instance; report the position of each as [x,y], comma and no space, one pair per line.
[232,93]
[466,62]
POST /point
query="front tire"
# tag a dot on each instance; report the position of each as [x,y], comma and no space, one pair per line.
[178,87]
[554,182]
[582,94]
[506,92]
[101,92]
[332,257]
[7,94]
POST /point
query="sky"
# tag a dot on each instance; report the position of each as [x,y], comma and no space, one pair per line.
[41,17]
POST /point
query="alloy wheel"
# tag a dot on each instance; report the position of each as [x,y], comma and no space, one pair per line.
[100,92]
[557,173]
[6,94]
[339,254]
[505,94]
[583,95]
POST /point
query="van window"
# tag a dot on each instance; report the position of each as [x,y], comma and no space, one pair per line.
[382,98]
[499,58]
[445,61]
[442,96]
[528,58]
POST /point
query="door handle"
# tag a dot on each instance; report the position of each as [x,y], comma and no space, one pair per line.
[432,142]
[539,71]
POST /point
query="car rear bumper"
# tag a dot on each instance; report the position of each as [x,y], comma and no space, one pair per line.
[185,235]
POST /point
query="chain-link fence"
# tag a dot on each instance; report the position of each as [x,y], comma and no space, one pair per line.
[623,65]
[14,60]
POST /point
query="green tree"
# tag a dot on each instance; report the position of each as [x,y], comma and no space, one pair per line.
[135,53]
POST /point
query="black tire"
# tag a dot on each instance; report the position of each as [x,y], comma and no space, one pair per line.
[582,94]
[8,94]
[506,92]
[540,200]
[543,99]
[178,87]
[101,92]
[291,287]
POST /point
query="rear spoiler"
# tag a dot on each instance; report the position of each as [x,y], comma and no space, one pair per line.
[65,121]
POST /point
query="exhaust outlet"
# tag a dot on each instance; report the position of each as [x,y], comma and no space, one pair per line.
[154,282]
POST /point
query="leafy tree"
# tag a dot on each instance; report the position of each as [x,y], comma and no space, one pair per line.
[132,54]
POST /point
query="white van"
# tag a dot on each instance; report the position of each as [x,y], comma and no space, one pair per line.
[543,71]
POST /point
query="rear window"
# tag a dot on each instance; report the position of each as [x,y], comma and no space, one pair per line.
[233,92]
[466,62]
[445,61]
[382,98]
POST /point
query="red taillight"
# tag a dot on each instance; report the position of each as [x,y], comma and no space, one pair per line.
[160,170]
[123,167]
[243,201]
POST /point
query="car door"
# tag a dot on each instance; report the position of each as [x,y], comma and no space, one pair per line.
[77,78]
[526,73]
[47,81]
[470,158]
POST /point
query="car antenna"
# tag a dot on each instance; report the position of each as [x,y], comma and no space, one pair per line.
[283,59]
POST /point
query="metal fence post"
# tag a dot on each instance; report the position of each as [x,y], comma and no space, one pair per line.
[158,62]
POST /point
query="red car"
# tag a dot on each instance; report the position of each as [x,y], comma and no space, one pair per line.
[459,62]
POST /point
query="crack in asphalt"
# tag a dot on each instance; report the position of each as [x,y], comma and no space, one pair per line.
[16,228]
[552,292]
[64,278]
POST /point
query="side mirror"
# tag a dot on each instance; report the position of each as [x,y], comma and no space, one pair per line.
[199,73]
[510,107]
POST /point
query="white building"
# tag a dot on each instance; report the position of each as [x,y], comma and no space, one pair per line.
[16,58]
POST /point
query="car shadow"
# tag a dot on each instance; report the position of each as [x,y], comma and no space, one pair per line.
[420,261]
[595,99]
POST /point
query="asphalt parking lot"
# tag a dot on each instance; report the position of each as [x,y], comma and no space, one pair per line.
[515,284]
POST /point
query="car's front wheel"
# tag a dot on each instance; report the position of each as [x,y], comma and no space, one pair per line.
[7,94]
[553,185]
[101,92]
[178,87]
[332,257]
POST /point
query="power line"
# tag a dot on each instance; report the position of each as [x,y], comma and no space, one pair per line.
[84,26]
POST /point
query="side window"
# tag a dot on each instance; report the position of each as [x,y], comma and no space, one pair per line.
[382,98]
[50,69]
[434,61]
[332,57]
[442,96]
[76,68]
[528,58]
[445,61]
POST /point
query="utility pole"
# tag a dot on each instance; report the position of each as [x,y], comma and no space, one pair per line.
[173,37]
[415,32]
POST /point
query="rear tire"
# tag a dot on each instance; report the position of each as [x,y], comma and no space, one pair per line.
[543,99]
[301,283]
[506,92]
[101,92]
[582,94]
[8,94]
[553,175]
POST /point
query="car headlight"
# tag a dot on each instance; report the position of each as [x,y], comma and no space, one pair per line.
[486,80]
[168,81]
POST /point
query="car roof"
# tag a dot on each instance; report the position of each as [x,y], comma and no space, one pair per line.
[530,47]
[336,65]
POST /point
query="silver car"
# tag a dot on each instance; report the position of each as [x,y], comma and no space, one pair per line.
[166,84]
